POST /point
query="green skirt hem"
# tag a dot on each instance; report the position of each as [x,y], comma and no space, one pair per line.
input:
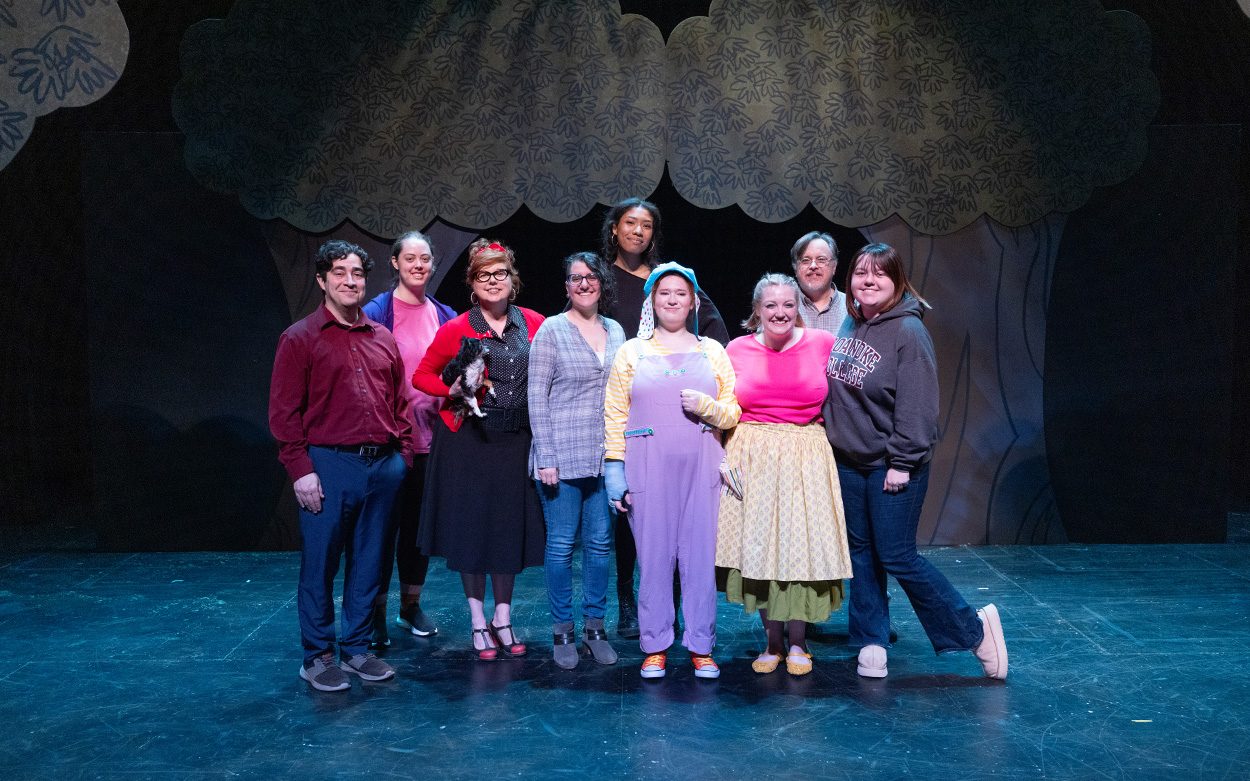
[812,601]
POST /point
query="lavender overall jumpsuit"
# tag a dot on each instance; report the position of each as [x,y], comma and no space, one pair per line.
[672,466]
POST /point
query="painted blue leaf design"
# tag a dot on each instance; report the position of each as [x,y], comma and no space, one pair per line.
[62,8]
[11,133]
[59,63]
[770,202]
[533,147]
[770,138]
[591,153]
[731,55]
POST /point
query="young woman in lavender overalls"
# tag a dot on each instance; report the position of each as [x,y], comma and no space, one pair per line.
[669,394]
[632,236]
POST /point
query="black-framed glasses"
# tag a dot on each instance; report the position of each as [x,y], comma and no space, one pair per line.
[576,279]
[499,275]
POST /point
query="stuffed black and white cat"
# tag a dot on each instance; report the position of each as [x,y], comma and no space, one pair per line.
[469,366]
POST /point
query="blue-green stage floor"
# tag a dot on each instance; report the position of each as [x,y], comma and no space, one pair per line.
[1127,662]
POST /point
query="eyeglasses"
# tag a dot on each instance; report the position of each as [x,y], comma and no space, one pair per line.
[576,279]
[820,262]
[498,275]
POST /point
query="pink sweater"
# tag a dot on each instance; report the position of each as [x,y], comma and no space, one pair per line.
[781,387]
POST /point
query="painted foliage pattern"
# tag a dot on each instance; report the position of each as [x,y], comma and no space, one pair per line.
[55,53]
[392,113]
[867,109]
[463,110]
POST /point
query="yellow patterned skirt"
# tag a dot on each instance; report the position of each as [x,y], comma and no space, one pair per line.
[784,541]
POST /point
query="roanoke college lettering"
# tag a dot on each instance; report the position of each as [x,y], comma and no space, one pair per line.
[850,360]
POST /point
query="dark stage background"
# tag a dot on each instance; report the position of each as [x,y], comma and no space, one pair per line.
[144,311]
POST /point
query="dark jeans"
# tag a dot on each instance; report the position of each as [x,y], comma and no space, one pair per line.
[401,542]
[881,531]
[354,519]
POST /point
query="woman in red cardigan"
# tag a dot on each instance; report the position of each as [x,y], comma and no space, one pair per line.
[481,511]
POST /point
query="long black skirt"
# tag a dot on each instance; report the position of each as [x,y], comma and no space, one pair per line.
[481,510]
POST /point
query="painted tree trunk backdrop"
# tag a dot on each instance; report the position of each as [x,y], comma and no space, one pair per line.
[294,253]
[989,286]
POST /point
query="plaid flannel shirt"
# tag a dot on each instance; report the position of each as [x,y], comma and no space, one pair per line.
[566,389]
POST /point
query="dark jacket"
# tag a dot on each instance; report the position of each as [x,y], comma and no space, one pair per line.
[882,408]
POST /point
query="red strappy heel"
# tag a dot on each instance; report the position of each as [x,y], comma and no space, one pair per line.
[511,649]
[487,654]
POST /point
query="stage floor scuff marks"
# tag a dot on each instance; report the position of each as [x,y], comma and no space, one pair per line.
[1127,662]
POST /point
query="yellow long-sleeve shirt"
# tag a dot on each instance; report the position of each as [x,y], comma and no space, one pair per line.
[721,412]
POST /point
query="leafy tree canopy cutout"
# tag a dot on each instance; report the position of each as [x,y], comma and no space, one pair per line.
[53,54]
[393,113]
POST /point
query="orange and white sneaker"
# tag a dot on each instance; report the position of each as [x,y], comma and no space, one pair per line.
[704,667]
[653,665]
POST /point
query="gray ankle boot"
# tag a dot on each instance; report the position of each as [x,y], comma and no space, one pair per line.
[564,645]
[595,640]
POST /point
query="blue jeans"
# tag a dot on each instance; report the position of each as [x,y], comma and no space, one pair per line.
[567,505]
[354,519]
[881,532]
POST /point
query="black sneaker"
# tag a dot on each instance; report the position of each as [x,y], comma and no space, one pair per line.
[381,638]
[411,618]
[368,667]
[324,674]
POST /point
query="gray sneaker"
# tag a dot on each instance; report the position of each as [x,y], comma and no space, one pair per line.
[324,674]
[411,618]
[368,667]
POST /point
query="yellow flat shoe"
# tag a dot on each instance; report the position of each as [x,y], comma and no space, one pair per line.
[799,664]
[762,665]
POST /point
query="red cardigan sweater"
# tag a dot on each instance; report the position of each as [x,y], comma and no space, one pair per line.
[428,376]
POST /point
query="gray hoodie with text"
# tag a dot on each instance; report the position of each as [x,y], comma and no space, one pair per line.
[882,407]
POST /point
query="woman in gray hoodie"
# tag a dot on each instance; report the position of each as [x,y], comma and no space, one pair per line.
[881,419]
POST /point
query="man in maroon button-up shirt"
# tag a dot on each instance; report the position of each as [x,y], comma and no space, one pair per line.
[339,413]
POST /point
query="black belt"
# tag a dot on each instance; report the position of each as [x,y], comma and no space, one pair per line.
[500,419]
[366,450]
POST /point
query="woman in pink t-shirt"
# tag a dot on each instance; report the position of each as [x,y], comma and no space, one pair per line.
[781,530]
[413,316]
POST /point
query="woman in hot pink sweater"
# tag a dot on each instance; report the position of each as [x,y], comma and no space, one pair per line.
[781,531]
